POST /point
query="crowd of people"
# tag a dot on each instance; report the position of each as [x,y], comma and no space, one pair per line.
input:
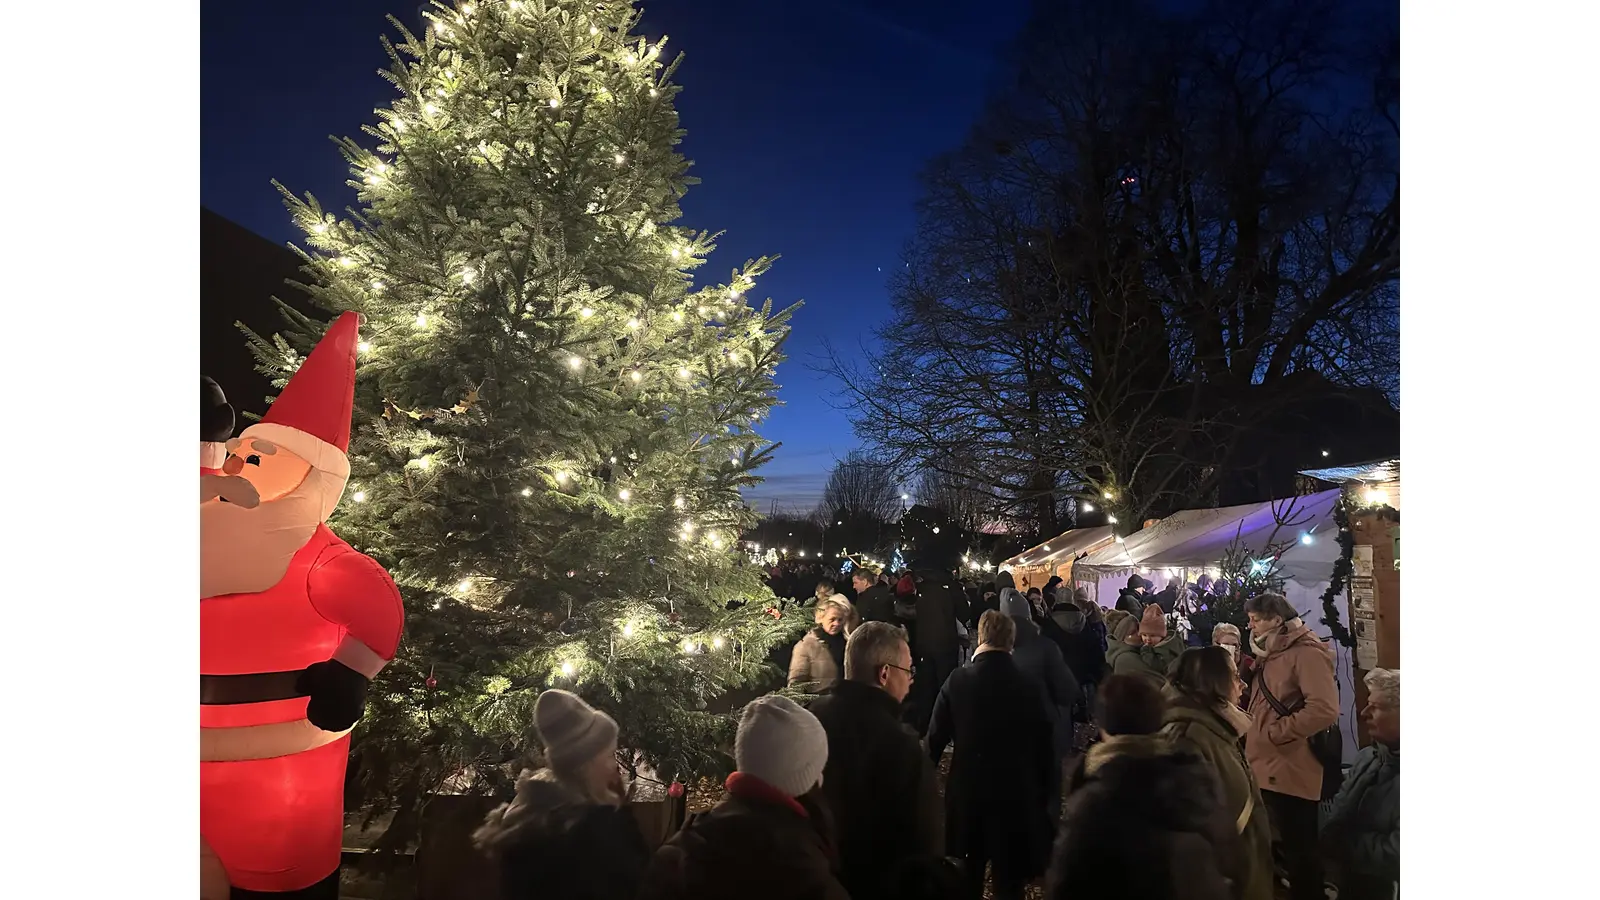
[1093,749]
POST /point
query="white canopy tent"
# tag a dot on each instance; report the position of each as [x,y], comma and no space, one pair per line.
[1190,542]
[1038,563]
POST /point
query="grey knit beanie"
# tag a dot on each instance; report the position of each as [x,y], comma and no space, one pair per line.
[572,731]
[782,744]
[1015,605]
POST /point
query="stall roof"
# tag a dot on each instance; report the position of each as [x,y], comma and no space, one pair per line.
[1062,547]
[1199,538]
[1380,471]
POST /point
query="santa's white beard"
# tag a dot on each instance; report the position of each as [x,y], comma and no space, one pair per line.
[248,550]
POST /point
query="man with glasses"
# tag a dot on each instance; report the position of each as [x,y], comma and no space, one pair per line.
[879,784]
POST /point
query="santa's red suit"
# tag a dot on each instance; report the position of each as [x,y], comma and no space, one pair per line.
[294,623]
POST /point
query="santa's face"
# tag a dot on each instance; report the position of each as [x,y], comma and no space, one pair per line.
[255,516]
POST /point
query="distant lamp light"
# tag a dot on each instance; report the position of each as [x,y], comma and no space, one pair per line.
[1088,507]
[1324,453]
[1307,539]
[935,529]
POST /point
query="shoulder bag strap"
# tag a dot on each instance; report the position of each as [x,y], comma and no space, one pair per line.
[1244,814]
[1277,707]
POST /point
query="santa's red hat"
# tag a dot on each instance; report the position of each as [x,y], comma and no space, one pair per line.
[311,418]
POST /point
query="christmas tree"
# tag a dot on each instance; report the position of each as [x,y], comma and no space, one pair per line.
[552,422]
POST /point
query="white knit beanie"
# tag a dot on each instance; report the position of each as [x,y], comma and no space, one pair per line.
[572,731]
[782,744]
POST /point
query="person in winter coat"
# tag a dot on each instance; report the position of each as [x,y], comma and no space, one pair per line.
[819,656]
[1132,599]
[1040,659]
[1143,647]
[1203,717]
[1143,819]
[934,643]
[995,796]
[878,782]
[1081,645]
[1226,635]
[568,834]
[1167,599]
[1296,668]
[771,836]
[873,600]
[1361,833]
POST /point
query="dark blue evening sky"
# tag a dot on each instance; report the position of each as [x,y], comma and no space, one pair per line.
[807,123]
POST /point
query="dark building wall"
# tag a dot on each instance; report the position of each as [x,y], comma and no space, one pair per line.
[240,273]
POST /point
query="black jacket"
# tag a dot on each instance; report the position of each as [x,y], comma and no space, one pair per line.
[999,773]
[1040,659]
[881,790]
[1081,646]
[876,604]
[1142,821]
[551,843]
[753,844]
[936,620]
[1131,602]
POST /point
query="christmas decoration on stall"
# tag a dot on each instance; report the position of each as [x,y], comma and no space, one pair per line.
[294,626]
[552,411]
[1344,566]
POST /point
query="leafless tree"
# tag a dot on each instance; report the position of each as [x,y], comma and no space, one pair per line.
[861,488]
[1139,256]
[960,500]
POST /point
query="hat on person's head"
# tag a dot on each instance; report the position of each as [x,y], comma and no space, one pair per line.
[572,731]
[1153,622]
[1123,627]
[1080,595]
[1015,605]
[1134,581]
[782,744]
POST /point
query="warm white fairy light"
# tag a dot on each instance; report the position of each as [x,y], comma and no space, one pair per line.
[467,9]
[566,669]
[676,253]
[561,478]
[439,91]
[423,462]
[429,108]
[632,59]
[586,312]
[467,275]
[1111,519]
[422,321]
[346,261]
[320,228]
[1088,507]
[716,643]
[621,159]
[678,502]
[359,496]
[935,529]
[527,492]
[555,102]
[633,324]
[593,31]
[684,372]
[377,285]
[575,362]
[363,347]
[688,645]
[624,494]
[654,92]
[464,586]
[636,375]
[677,315]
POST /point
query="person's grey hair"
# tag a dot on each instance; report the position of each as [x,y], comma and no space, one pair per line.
[1271,605]
[838,601]
[1226,628]
[1384,684]
[873,645]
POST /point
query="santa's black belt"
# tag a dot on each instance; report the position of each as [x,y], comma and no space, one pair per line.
[257,687]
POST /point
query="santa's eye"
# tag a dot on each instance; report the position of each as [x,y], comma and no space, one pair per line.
[252,460]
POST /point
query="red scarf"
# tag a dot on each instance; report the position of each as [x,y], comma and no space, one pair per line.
[749,787]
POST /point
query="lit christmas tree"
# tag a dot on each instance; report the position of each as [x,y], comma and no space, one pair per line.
[552,423]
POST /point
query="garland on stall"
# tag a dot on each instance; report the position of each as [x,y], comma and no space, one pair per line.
[1343,568]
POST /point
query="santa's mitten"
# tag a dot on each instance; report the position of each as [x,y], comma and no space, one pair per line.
[216,415]
[338,694]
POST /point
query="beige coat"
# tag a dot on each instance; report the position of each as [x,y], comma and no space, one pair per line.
[812,665]
[1294,664]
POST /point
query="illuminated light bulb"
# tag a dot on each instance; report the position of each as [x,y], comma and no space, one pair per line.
[701,310]
[716,643]
[575,362]
[561,478]
[555,102]
[613,460]
[429,108]
[1107,495]
[716,543]
[627,630]
[422,321]
[519,56]
[688,645]
[467,275]
[593,31]
[438,603]
[377,285]
[1047,548]
[802,553]
[678,502]
[527,492]
[935,529]
[467,10]
[1307,539]
[1324,453]
[1111,519]
[654,92]
[515,4]
[905,496]
[676,253]
[423,462]
[683,373]
[1088,507]
[624,494]
[1378,497]
[363,347]
[441,27]
[398,124]
[621,159]
[346,261]
[566,668]
[359,496]
[464,586]
[380,168]
[688,526]
[633,323]
[439,91]
[677,315]
[320,228]
[632,59]
[635,375]
[586,312]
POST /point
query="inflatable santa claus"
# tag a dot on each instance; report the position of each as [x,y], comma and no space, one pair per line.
[216,426]
[294,624]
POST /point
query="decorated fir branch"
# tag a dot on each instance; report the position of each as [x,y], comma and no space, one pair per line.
[553,418]
[1344,567]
